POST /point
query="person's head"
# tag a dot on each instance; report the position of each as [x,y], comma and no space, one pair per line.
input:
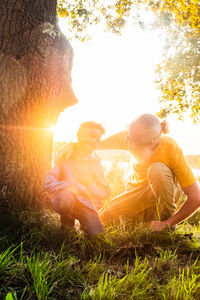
[144,135]
[89,135]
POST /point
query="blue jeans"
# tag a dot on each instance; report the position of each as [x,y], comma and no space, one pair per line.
[70,208]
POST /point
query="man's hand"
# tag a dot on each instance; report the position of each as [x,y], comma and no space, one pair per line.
[187,209]
[158,226]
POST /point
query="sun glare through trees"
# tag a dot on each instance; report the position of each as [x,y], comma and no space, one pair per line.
[114,80]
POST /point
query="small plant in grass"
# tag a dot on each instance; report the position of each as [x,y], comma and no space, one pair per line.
[134,284]
[40,272]
[50,273]
[94,268]
[165,256]
[11,296]
[6,259]
[138,282]
[185,286]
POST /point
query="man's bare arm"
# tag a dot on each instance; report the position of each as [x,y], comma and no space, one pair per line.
[188,208]
[115,141]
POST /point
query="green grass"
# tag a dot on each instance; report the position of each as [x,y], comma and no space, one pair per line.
[38,260]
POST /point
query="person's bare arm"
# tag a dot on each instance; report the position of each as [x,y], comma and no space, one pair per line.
[115,141]
[188,208]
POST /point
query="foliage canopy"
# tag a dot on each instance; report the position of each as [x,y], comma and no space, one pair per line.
[178,72]
[81,15]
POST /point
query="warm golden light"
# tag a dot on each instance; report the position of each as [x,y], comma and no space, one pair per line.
[113,78]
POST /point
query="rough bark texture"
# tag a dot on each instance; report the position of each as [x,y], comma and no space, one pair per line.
[35,86]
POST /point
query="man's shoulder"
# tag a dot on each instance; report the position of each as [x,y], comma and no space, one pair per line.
[169,141]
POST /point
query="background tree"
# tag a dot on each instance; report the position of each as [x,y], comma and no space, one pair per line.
[178,74]
[82,15]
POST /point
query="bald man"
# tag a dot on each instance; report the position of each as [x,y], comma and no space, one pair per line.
[162,176]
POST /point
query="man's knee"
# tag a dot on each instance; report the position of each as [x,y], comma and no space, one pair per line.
[89,219]
[157,172]
[93,224]
[65,200]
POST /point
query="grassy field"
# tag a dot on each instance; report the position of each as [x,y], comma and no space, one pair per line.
[39,260]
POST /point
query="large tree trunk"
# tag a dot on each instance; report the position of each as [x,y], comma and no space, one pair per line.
[35,86]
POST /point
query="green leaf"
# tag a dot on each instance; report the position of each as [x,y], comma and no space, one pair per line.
[9,296]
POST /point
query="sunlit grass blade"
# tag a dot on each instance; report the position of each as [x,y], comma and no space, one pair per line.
[6,258]
[39,269]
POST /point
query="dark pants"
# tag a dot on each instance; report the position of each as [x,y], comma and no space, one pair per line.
[70,209]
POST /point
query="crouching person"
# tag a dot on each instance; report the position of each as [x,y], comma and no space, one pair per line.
[76,183]
[162,175]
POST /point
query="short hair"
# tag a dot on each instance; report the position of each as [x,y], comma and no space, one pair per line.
[92,125]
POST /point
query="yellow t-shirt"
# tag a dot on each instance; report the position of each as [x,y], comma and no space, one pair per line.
[169,153]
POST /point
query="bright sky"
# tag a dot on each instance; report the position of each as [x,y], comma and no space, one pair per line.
[113,80]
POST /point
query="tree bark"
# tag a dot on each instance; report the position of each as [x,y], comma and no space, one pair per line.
[35,86]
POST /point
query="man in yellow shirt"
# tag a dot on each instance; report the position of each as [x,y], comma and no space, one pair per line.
[162,175]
